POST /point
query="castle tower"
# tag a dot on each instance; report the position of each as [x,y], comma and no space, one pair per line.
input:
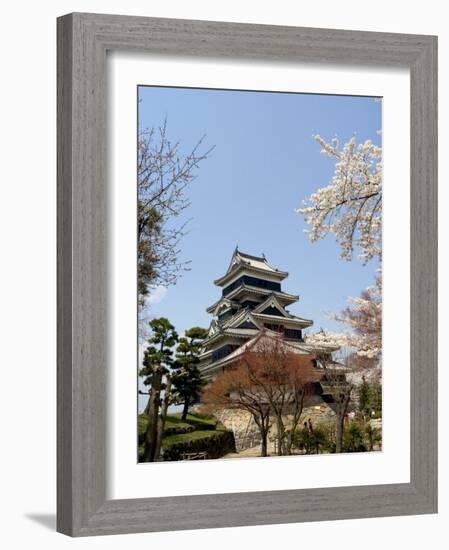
[251,301]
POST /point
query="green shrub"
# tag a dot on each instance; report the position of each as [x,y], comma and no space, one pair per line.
[364,395]
[359,436]
[373,436]
[330,442]
[215,443]
[142,421]
[313,442]
[376,392]
[370,399]
[354,437]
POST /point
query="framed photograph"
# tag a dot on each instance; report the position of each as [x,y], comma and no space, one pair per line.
[247,274]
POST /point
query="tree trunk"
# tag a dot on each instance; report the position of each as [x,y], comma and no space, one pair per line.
[161,423]
[146,412]
[289,442]
[264,444]
[339,434]
[262,420]
[153,418]
[185,409]
[296,418]
[280,435]
[341,409]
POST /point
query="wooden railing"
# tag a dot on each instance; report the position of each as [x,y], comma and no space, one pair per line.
[194,456]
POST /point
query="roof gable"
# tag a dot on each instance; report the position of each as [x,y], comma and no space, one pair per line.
[242,319]
[272,306]
[247,324]
[271,310]
[213,328]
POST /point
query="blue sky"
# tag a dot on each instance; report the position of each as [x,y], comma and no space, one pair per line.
[265,162]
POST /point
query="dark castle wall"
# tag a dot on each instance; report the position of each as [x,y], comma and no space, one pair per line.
[252,281]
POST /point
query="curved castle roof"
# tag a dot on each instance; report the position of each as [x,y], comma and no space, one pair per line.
[258,265]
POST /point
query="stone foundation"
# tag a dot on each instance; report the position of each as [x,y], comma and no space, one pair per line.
[246,432]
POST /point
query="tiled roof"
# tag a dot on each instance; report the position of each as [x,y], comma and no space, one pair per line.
[294,347]
[259,264]
[264,291]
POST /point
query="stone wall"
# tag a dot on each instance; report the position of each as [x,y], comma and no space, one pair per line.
[246,432]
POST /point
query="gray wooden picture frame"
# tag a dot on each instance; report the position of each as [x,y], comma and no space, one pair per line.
[83,40]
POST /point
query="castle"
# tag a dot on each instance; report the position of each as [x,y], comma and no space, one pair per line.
[252,306]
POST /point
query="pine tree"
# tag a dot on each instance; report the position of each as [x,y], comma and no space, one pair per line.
[364,394]
[376,397]
[157,362]
[186,377]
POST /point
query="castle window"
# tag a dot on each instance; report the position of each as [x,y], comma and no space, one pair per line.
[275,328]
[222,352]
[293,334]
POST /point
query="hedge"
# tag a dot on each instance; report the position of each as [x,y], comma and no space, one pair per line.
[201,422]
[181,428]
[215,443]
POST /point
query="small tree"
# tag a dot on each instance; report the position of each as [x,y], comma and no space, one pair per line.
[364,395]
[234,389]
[342,396]
[163,175]
[363,318]
[354,438]
[373,436]
[187,380]
[370,398]
[336,384]
[376,398]
[284,379]
[158,358]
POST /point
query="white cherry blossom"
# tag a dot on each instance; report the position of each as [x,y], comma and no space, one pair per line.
[363,319]
[350,206]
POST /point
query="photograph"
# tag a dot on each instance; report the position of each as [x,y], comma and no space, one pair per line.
[259,274]
[237,335]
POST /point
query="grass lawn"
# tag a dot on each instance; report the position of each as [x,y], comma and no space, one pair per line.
[200,421]
[174,422]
